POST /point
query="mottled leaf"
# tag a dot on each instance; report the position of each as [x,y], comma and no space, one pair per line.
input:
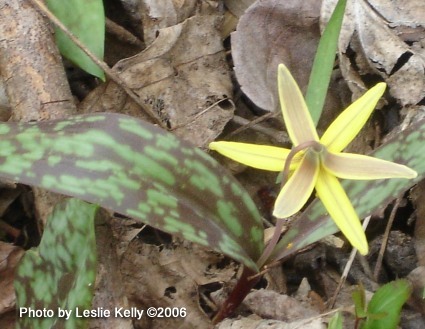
[385,306]
[61,272]
[86,20]
[367,197]
[138,170]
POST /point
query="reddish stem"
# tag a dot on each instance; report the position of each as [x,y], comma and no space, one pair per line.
[244,285]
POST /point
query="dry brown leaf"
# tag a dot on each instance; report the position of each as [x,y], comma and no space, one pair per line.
[9,258]
[169,276]
[109,290]
[383,38]
[157,15]
[248,323]
[418,199]
[272,305]
[182,77]
[269,33]
[417,279]
[238,7]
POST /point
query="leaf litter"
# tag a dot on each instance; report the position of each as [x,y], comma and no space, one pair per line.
[184,76]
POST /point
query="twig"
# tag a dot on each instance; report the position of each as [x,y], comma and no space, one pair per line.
[320,316]
[197,115]
[254,124]
[347,268]
[9,229]
[109,72]
[385,239]
[123,34]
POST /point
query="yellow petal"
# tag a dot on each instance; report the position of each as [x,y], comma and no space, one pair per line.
[298,188]
[336,201]
[348,124]
[356,166]
[295,113]
[258,156]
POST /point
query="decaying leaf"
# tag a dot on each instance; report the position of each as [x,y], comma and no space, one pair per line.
[272,305]
[252,323]
[182,77]
[238,7]
[179,270]
[156,15]
[9,259]
[384,39]
[269,33]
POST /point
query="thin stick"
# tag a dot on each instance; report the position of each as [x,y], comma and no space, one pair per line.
[347,268]
[197,115]
[254,122]
[122,34]
[278,135]
[109,72]
[385,239]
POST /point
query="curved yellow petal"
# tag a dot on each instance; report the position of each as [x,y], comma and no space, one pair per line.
[356,166]
[295,113]
[258,156]
[336,201]
[348,124]
[298,188]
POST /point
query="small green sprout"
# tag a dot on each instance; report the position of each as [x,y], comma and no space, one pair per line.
[384,309]
[318,163]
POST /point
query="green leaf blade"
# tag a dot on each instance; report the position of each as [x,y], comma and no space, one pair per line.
[336,321]
[386,305]
[359,299]
[324,59]
[86,20]
[61,272]
[138,170]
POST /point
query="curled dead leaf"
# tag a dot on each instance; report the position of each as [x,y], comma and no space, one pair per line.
[383,38]
[269,33]
[157,15]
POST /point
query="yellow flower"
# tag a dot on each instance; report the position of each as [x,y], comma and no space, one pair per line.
[318,163]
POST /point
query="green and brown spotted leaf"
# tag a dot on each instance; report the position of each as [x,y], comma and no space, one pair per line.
[138,170]
[367,197]
[61,272]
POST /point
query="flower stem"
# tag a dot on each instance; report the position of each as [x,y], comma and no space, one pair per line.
[244,285]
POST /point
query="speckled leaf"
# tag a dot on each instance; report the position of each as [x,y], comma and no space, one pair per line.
[86,20]
[61,272]
[367,197]
[138,170]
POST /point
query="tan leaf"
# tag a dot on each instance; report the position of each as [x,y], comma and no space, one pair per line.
[269,33]
[182,77]
[383,38]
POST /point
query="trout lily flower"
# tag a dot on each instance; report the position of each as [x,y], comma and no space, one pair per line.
[318,163]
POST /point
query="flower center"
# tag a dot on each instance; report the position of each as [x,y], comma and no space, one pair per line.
[312,150]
